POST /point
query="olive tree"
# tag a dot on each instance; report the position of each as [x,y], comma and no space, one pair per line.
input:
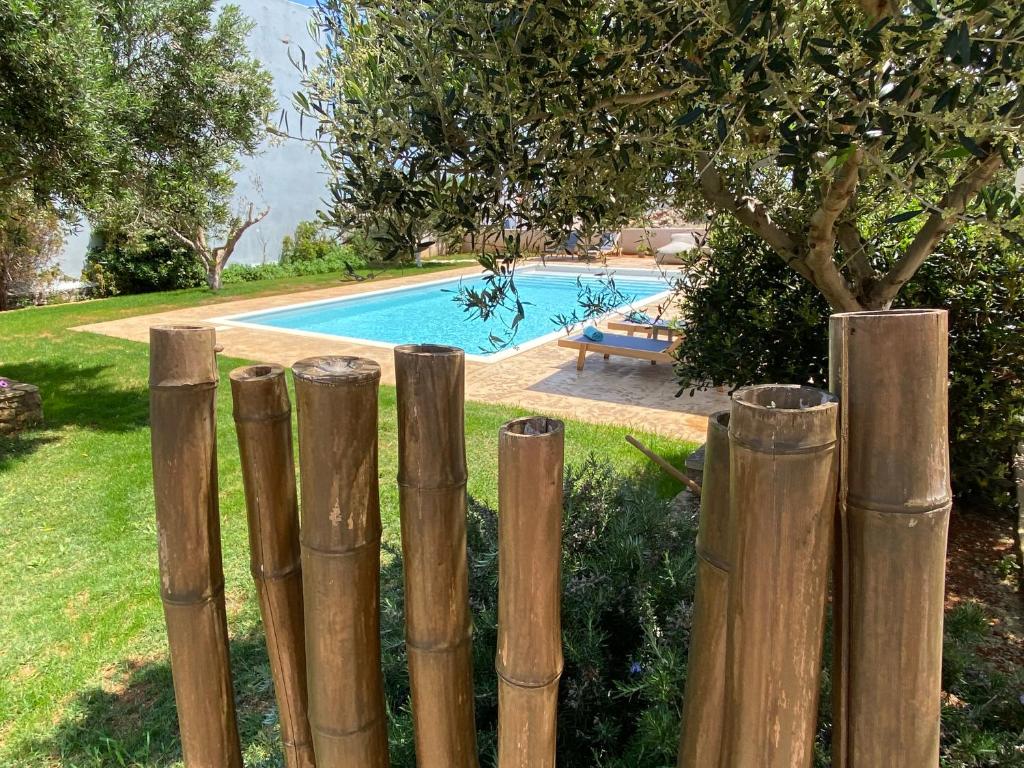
[30,241]
[555,112]
[131,112]
[200,102]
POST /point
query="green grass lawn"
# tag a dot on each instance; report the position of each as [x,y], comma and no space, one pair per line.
[84,679]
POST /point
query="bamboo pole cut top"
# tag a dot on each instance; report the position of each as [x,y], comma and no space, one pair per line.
[714,537]
[784,418]
[259,393]
[431,426]
[895,415]
[530,459]
[337,406]
[182,356]
[337,371]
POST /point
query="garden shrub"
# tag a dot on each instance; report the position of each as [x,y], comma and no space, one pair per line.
[310,242]
[309,251]
[123,264]
[749,319]
[338,261]
[628,568]
[628,572]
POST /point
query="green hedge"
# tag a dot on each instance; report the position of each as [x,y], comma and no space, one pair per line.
[750,319]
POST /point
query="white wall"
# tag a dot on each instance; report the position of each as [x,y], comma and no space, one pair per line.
[288,176]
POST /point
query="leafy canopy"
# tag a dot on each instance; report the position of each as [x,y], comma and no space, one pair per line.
[467,114]
[128,109]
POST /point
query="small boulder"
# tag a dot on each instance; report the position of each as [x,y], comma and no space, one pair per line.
[21,406]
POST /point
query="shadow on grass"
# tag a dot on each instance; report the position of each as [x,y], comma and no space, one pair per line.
[83,396]
[131,720]
[16,447]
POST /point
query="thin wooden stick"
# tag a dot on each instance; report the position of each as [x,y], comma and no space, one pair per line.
[663,463]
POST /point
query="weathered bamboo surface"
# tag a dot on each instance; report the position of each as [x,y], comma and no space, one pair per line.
[263,424]
[700,744]
[183,389]
[783,476]
[529,654]
[340,533]
[432,498]
[890,371]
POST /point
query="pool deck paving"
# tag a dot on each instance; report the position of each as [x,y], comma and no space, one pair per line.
[543,379]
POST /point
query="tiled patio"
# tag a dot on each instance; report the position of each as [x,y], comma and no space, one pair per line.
[544,379]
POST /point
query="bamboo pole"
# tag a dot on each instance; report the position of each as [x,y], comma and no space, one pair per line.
[529,656]
[182,397]
[783,475]
[890,370]
[700,745]
[432,499]
[341,530]
[263,423]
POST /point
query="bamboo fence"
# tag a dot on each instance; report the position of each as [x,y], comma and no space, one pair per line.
[182,395]
[783,475]
[890,371]
[529,654]
[341,530]
[262,413]
[432,499]
[700,744]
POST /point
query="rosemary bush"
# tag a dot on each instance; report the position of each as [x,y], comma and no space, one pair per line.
[628,568]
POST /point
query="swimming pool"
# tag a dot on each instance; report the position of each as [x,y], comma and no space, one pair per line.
[426,313]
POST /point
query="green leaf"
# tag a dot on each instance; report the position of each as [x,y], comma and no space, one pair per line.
[899,218]
[972,146]
[690,117]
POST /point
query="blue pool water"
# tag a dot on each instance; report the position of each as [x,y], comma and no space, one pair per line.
[428,314]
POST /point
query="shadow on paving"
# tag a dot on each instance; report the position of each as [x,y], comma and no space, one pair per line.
[83,396]
[131,720]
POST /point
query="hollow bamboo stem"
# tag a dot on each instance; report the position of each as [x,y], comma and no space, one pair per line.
[890,371]
[182,396]
[262,413]
[340,541]
[432,499]
[783,474]
[700,745]
[529,655]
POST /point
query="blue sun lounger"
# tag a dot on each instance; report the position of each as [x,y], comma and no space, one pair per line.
[637,347]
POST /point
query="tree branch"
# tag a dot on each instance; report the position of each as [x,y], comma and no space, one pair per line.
[941,220]
[754,215]
[636,99]
[235,235]
[878,9]
[188,243]
[821,236]
[749,211]
[856,255]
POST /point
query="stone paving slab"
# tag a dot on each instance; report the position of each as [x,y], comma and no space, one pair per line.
[620,391]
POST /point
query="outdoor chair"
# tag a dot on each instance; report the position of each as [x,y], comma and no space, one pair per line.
[637,347]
